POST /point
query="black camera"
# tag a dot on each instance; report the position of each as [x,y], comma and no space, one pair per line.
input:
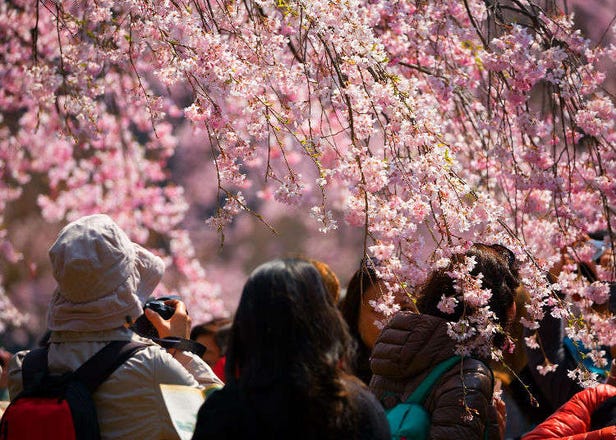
[143,326]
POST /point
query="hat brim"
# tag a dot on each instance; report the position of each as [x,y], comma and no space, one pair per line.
[150,268]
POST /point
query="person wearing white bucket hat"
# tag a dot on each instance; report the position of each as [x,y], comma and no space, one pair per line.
[102,276]
[103,280]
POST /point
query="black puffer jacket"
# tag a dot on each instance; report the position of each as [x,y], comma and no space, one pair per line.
[409,347]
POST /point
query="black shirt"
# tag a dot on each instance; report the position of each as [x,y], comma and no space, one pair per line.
[229,414]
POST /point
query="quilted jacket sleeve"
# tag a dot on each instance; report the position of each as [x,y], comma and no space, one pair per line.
[572,420]
[461,405]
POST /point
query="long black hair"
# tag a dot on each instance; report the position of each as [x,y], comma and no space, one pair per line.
[289,341]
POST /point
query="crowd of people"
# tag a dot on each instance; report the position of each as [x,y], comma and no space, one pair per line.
[299,359]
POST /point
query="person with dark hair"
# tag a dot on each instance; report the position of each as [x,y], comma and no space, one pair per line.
[329,277]
[461,404]
[214,336]
[588,415]
[556,348]
[356,307]
[519,392]
[285,366]
[604,415]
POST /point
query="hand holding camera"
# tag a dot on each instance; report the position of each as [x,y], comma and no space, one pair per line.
[160,319]
[177,324]
[166,321]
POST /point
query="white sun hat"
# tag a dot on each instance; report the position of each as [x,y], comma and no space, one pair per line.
[103,277]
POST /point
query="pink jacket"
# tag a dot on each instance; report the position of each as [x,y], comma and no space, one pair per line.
[572,420]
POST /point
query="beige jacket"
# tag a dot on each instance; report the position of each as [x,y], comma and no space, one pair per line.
[129,404]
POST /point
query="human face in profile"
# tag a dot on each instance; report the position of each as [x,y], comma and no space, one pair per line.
[368,319]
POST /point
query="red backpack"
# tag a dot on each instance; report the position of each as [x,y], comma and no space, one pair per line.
[61,406]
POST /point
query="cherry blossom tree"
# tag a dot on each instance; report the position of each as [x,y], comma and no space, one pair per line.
[426,126]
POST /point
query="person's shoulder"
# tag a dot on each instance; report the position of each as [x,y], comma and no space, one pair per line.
[354,385]
[372,421]
[480,366]
[363,398]
[150,358]
[223,416]
[151,351]
[228,395]
[472,376]
[223,404]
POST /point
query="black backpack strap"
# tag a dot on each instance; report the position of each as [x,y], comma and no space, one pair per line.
[100,366]
[34,367]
